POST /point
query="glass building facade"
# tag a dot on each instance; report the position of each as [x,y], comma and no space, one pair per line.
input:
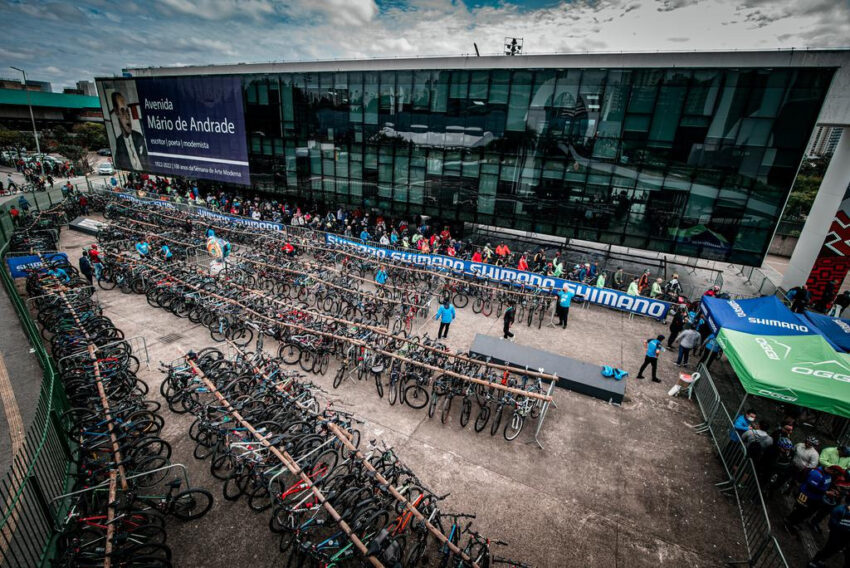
[696,162]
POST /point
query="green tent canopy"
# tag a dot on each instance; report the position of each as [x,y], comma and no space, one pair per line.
[801,369]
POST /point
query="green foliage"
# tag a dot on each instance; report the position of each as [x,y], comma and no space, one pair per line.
[90,135]
[14,139]
[802,197]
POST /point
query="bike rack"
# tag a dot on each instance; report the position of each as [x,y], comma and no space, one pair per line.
[290,464]
[131,340]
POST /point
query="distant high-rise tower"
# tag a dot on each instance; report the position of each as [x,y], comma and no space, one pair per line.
[823,141]
[87,88]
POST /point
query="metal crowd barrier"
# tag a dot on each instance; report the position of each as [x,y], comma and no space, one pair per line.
[741,479]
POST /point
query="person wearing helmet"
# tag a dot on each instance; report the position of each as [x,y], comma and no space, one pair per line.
[806,456]
[777,466]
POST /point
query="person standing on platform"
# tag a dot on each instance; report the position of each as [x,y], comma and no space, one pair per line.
[565,297]
[446,314]
[508,318]
[653,350]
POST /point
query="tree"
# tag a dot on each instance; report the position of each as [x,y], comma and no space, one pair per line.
[90,135]
[802,197]
[77,155]
[14,140]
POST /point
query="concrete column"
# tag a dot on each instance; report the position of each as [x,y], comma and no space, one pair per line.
[832,191]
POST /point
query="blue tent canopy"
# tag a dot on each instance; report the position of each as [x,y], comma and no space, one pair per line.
[836,330]
[759,316]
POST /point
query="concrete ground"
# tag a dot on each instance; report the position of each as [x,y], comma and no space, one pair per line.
[628,485]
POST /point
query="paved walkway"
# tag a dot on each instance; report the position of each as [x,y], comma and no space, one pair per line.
[20,394]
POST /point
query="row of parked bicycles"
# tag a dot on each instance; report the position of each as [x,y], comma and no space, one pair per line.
[407,283]
[409,370]
[122,484]
[331,502]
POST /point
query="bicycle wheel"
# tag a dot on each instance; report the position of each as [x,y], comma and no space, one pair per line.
[392,394]
[379,385]
[340,375]
[432,404]
[191,504]
[447,407]
[290,353]
[307,359]
[514,426]
[460,300]
[487,308]
[477,304]
[465,411]
[482,419]
[416,396]
[324,361]
[497,420]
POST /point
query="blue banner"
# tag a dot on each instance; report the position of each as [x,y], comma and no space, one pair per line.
[602,296]
[193,127]
[18,265]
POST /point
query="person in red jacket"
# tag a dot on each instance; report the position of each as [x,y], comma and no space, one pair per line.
[476,256]
[523,263]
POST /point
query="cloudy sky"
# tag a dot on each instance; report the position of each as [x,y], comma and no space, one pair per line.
[65,41]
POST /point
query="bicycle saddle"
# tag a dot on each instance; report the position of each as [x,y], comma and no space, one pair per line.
[378,369]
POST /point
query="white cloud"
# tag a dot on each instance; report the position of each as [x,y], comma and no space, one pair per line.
[196,32]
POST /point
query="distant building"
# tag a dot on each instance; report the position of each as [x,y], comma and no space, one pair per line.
[49,109]
[42,86]
[87,88]
[824,141]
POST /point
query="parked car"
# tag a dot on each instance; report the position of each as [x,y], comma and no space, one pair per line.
[105,169]
[104,152]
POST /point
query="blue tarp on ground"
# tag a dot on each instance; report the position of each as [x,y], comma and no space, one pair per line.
[836,330]
[758,316]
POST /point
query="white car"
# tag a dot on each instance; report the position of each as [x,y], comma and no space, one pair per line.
[105,169]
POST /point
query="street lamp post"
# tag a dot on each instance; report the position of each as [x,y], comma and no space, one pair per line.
[32,118]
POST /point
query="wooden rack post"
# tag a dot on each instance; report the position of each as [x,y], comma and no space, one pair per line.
[289,463]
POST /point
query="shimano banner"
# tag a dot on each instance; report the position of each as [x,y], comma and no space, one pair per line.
[187,126]
[18,265]
[602,296]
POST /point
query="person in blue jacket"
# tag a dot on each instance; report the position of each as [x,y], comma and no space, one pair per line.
[143,248]
[59,274]
[839,535]
[653,350]
[364,235]
[742,423]
[446,314]
[565,298]
[381,276]
[810,498]
[165,252]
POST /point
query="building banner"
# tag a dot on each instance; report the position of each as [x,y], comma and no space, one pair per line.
[602,296]
[192,127]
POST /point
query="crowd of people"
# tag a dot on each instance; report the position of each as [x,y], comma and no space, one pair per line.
[817,478]
[416,234]
[40,175]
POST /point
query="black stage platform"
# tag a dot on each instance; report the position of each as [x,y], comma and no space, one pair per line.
[572,374]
